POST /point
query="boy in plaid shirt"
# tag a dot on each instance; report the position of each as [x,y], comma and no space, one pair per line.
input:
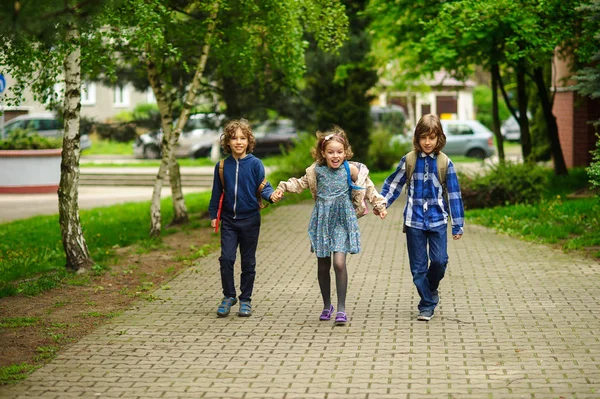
[427,210]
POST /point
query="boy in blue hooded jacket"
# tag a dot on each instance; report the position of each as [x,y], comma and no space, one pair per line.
[243,174]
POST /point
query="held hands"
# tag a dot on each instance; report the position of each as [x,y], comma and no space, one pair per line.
[382,214]
[276,196]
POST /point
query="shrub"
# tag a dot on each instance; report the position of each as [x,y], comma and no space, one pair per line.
[294,162]
[147,116]
[121,132]
[594,169]
[20,139]
[504,185]
[384,153]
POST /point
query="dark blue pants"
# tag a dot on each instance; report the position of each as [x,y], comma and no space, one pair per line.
[427,271]
[243,233]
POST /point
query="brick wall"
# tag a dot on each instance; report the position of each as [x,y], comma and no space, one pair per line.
[563,110]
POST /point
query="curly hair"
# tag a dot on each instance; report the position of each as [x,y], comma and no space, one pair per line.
[336,133]
[230,131]
[427,125]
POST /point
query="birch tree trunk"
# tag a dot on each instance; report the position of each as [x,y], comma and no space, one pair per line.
[168,157]
[165,109]
[76,250]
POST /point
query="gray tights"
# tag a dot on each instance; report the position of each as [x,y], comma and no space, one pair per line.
[341,279]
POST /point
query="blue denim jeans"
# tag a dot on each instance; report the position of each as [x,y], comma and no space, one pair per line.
[243,233]
[427,271]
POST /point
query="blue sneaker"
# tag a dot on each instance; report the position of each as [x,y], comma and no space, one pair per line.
[436,296]
[425,315]
[225,306]
[245,309]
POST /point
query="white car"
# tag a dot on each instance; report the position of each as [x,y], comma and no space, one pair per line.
[45,124]
[464,137]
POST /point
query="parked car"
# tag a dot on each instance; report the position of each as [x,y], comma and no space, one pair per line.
[45,124]
[270,135]
[273,135]
[196,139]
[464,137]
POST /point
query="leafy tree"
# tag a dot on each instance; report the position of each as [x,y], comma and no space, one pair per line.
[39,44]
[245,42]
[501,34]
[337,85]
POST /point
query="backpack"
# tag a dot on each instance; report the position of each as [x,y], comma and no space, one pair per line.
[355,187]
[442,167]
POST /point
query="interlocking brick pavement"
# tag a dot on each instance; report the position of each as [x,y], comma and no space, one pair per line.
[516,320]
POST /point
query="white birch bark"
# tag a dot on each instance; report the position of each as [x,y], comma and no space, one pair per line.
[168,157]
[76,250]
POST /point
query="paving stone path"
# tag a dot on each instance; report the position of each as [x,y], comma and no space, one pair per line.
[516,320]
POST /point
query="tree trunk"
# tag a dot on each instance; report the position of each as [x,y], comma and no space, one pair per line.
[495,113]
[165,109]
[523,119]
[170,140]
[180,214]
[560,168]
[76,250]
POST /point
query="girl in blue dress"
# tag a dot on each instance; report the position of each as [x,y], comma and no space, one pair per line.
[340,189]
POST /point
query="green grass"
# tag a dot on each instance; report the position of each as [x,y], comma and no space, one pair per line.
[571,223]
[14,322]
[13,373]
[104,147]
[32,248]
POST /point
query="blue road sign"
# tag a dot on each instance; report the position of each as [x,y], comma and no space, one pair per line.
[2,83]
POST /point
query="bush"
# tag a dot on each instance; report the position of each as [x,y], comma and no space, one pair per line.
[385,153]
[147,116]
[121,132]
[504,185]
[294,162]
[20,139]
[594,169]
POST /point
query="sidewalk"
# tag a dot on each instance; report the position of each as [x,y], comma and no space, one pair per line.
[516,320]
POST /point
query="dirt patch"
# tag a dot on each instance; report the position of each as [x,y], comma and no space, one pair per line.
[36,328]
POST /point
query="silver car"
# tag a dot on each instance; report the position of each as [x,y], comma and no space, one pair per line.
[465,138]
[45,124]
[196,140]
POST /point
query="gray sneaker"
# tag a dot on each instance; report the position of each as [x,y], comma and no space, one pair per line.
[225,306]
[245,309]
[425,315]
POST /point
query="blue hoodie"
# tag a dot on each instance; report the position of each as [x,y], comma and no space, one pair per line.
[242,178]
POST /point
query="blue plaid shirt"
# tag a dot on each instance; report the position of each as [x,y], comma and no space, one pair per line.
[425,206]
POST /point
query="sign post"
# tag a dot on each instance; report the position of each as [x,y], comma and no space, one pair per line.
[2,87]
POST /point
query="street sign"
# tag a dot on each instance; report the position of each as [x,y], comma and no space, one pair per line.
[2,83]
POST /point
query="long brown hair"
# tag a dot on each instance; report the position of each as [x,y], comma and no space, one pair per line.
[336,133]
[231,129]
[429,124]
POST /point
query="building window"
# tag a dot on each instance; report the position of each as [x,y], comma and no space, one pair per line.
[88,93]
[121,96]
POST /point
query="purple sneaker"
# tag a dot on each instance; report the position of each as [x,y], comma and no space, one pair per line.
[326,313]
[341,318]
